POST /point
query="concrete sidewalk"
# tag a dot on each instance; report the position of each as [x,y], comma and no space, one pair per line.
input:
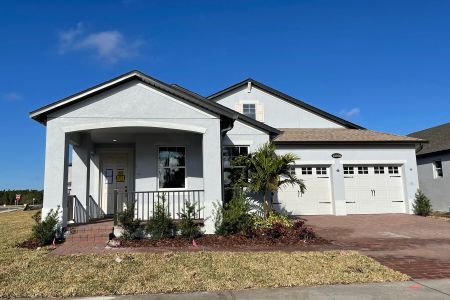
[423,289]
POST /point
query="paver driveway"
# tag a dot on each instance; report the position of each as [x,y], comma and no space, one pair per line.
[417,246]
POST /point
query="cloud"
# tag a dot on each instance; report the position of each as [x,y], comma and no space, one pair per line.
[12,96]
[107,46]
[350,113]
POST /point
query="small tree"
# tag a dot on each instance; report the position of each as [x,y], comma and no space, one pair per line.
[161,224]
[234,217]
[132,228]
[188,228]
[422,205]
[44,231]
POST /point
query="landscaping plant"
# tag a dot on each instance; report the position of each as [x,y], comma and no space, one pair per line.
[161,224]
[189,229]
[265,172]
[234,216]
[261,223]
[45,231]
[132,228]
[422,205]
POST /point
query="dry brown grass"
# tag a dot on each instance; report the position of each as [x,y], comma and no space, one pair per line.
[440,215]
[31,273]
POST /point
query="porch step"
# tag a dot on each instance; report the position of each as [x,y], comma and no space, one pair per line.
[93,232]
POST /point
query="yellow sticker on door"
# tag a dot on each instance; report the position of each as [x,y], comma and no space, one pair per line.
[120,177]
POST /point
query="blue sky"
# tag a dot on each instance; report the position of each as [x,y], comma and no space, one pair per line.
[382,64]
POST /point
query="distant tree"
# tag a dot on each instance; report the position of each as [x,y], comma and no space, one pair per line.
[8,197]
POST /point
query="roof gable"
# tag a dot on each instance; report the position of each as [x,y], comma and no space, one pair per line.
[285,97]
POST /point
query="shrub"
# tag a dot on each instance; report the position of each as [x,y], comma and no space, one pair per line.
[275,231]
[273,218]
[233,217]
[45,231]
[302,231]
[132,228]
[422,205]
[161,225]
[188,228]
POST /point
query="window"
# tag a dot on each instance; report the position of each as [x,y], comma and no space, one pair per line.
[349,170]
[363,170]
[249,110]
[291,170]
[393,170]
[307,171]
[321,171]
[437,165]
[229,171]
[172,167]
[378,170]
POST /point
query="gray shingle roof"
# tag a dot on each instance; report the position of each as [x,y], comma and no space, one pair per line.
[339,135]
[438,138]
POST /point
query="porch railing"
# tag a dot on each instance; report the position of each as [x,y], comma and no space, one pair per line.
[145,203]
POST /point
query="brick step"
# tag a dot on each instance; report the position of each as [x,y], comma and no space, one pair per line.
[76,239]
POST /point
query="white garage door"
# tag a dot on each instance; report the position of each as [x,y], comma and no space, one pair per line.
[374,189]
[316,200]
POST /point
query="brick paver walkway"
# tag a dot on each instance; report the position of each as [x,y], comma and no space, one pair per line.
[416,246]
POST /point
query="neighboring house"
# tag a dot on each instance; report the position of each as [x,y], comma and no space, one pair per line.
[135,137]
[433,160]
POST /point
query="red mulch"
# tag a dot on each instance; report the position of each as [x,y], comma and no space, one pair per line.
[29,244]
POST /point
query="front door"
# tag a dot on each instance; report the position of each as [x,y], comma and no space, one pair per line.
[114,176]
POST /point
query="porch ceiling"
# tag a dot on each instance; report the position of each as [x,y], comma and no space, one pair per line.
[127,134]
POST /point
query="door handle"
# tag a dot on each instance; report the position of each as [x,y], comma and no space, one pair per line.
[374,192]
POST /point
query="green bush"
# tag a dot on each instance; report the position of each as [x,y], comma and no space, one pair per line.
[233,217]
[161,224]
[188,228]
[422,205]
[45,231]
[273,218]
[132,228]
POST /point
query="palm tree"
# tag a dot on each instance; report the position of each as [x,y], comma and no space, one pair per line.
[266,172]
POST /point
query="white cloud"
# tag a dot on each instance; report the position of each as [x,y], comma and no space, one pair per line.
[108,46]
[12,96]
[350,113]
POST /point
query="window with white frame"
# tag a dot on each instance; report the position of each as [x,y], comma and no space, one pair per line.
[321,171]
[393,170]
[172,167]
[363,170]
[231,171]
[249,109]
[291,170]
[378,169]
[349,170]
[437,166]
[306,171]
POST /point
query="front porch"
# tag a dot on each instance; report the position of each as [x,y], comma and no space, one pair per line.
[114,167]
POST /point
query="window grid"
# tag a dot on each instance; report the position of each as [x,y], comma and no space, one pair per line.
[172,167]
[393,170]
[438,172]
[249,110]
[379,169]
[349,170]
[306,171]
[363,170]
[321,171]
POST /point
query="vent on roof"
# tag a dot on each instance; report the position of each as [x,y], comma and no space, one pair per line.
[249,87]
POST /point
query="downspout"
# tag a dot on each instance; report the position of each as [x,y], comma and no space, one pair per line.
[223,132]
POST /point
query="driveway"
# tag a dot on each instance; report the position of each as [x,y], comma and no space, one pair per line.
[413,245]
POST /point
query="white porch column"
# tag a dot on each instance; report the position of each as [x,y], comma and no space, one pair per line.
[211,172]
[338,188]
[81,174]
[55,178]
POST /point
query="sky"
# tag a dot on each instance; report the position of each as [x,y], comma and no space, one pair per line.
[384,65]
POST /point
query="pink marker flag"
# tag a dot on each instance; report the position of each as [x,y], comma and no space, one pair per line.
[194,243]
[54,242]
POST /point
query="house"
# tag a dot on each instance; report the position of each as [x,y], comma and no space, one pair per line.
[433,163]
[135,137]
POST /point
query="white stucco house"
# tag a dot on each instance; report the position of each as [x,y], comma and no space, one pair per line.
[433,161]
[137,137]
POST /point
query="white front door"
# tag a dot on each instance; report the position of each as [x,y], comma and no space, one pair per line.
[114,176]
[374,189]
[316,200]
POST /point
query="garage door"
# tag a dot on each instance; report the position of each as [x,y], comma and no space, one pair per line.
[373,189]
[316,200]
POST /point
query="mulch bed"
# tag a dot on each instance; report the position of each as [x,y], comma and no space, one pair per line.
[231,242]
[29,244]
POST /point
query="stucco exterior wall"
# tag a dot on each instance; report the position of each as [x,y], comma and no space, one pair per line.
[278,113]
[245,135]
[437,189]
[403,155]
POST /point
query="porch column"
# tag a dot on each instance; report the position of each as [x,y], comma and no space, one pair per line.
[212,183]
[81,175]
[55,178]
[338,188]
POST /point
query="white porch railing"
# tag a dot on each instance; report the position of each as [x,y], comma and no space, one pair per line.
[145,203]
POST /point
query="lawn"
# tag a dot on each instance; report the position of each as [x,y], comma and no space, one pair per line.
[32,273]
